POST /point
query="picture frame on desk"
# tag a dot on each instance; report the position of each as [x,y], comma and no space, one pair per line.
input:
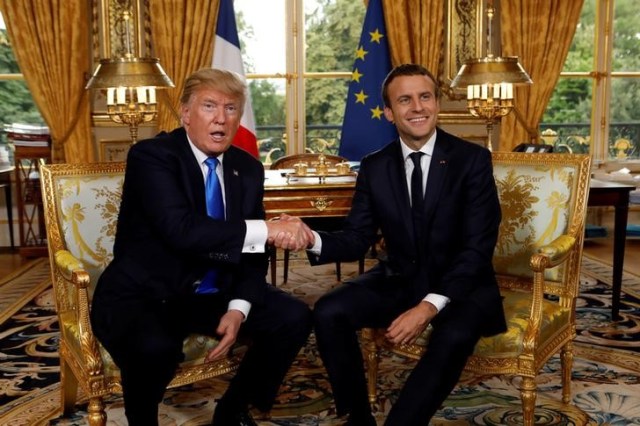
[113,150]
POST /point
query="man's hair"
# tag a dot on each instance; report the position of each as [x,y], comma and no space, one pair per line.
[406,70]
[223,81]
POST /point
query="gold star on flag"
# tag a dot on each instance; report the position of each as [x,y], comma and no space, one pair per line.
[361,97]
[376,36]
[376,112]
[360,53]
[355,75]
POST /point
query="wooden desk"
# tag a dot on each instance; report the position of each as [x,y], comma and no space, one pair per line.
[306,198]
[602,193]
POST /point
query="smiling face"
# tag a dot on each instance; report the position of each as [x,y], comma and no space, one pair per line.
[211,119]
[413,107]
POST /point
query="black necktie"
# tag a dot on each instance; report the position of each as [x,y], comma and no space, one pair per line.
[417,198]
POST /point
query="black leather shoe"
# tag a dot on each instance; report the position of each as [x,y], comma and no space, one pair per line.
[242,418]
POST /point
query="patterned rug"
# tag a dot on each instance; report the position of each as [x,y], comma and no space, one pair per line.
[605,385]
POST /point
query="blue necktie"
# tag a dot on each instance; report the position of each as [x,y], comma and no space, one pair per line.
[215,209]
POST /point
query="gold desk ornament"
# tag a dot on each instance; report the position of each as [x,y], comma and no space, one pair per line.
[320,169]
[343,168]
[300,169]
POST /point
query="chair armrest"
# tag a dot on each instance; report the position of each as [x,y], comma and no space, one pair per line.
[78,340]
[553,253]
[72,269]
[548,256]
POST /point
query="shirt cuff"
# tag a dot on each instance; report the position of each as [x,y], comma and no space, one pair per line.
[240,305]
[437,300]
[256,237]
[317,245]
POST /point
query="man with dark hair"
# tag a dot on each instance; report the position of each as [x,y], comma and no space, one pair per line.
[189,257]
[434,199]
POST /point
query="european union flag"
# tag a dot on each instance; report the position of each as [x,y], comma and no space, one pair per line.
[365,129]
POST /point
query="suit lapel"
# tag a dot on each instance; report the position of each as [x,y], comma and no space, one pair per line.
[193,172]
[232,185]
[437,174]
[398,182]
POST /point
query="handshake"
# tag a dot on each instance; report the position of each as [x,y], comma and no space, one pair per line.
[290,233]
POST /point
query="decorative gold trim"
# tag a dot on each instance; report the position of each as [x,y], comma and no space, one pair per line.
[464,39]
[113,150]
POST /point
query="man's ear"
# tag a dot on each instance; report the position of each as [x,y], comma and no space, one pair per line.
[184,114]
[388,114]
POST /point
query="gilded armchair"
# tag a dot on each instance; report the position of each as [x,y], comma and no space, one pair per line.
[81,203]
[537,261]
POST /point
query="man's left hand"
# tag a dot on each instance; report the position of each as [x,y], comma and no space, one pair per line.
[410,324]
[228,331]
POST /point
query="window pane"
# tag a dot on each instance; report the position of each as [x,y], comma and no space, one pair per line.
[566,122]
[626,36]
[16,103]
[581,53]
[268,102]
[332,30]
[624,113]
[325,100]
[262,32]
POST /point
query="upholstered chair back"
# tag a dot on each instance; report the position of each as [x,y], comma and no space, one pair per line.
[538,195]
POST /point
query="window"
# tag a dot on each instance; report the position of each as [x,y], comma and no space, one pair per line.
[595,107]
[16,103]
[298,58]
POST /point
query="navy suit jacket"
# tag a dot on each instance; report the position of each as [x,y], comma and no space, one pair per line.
[460,225]
[165,241]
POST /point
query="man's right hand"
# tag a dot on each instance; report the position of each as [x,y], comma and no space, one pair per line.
[289,232]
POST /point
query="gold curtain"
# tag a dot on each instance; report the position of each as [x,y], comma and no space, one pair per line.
[539,32]
[50,40]
[183,34]
[415,29]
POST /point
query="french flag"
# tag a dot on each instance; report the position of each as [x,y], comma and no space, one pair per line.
[226,55]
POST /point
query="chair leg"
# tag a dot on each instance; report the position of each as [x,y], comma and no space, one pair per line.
[528,394]
[7,193]
[68,388]
[338,272]
[273,261]
[566,360]
[361,266]
[97,415]
[286,266]
[371,359]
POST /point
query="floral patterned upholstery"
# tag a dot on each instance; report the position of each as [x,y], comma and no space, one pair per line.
[537,258]
[81,203]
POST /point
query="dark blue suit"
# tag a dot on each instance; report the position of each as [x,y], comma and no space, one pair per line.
[452,258]
[145,305]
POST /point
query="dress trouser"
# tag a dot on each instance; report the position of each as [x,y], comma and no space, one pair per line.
[370,301]
[151,349]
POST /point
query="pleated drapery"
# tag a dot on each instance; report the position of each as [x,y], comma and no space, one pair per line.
[540,33]
[416,31]
[183,33]
[52,47]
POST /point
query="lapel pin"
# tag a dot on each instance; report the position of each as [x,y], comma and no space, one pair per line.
[443,161]
[235,173]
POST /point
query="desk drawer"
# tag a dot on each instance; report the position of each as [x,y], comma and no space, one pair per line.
[308,202]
